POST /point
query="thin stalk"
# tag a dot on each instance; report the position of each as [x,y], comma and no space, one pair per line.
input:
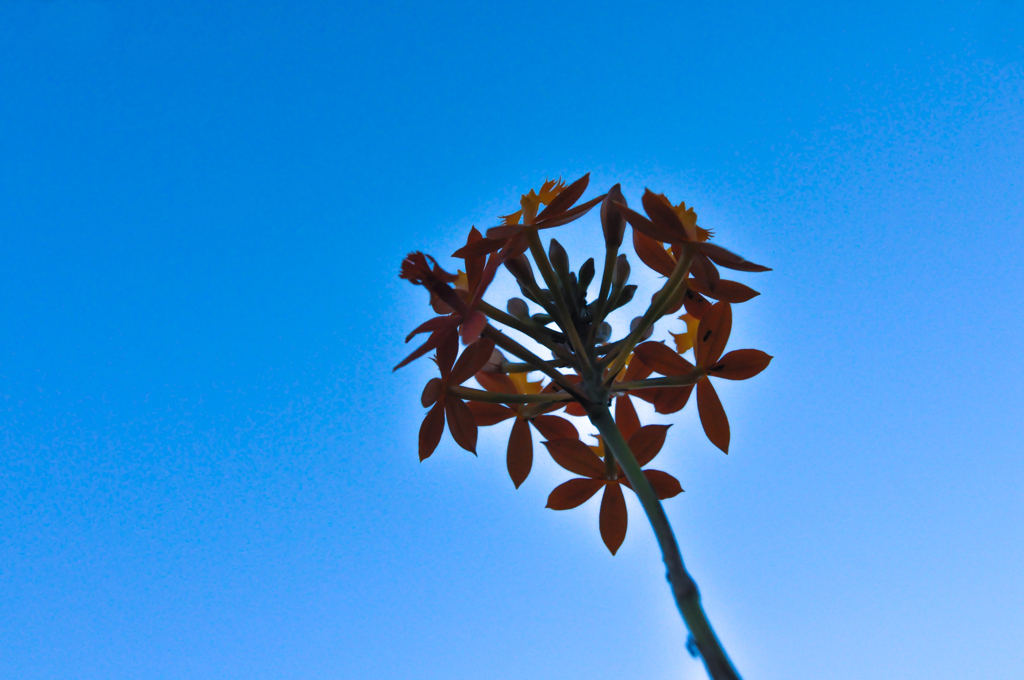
[691,378]
[565,318]
[684,589]
[531,330]
[653,313]
[471,394]
[513,347]
[602,296]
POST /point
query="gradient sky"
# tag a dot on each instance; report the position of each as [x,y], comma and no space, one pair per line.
[208,469]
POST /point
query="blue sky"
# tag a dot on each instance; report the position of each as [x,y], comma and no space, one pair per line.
[208,469]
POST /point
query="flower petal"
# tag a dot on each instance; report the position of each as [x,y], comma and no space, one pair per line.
[740,364]
[461,423]
[431,430]
[613,520]
[653,254]
[495,382]
[646,442]
[662,360]
[486,414]
[573,493]
[725,290]
[661,213]
[665,485]
[713,334]
[644,225]
[730,260]
[671,399]
[565,198]
[431,392]
[472,360]
[712,415]
[576,457]
[519,456]
[555,427]
[625,416]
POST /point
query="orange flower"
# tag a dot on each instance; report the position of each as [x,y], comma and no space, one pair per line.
[712,336]
[519,454]
[577,457]
[446,406]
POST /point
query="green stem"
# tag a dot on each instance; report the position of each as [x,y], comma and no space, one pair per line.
[471,394]
[691,378]
[602,296]
[683,587]
[653,313]
[529,329]
[514,348]
[565,318]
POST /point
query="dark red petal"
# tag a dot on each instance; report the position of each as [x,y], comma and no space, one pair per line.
[576,457]
[625,416]
[574,408]
[740,364]
[431,430]
[713,333]
[487,414]
[704,272]
[712,415]
[473,326]
[495,382]
[557,220]
[653,254]
[431,325]
[565,198]
[645,226]
[479,248]
[555,427]
[474,358]
[613,518]
[662,360]
[696,304]
[447,350]
[519,457]
[730,260]
[647,442]
[436,339]
[665,485]
[670,399]
[573,493]
[725,290]
[637,369]
[431,392]
[661,213]
[461,423]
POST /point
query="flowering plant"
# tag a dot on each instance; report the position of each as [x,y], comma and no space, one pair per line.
[588,371]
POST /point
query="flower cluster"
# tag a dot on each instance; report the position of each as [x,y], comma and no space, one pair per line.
[590,371]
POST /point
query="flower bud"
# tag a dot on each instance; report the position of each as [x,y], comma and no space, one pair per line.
[518,308]
[559,262]
[613,222]
[521,269]
[621,273]
[636,322]
[604,332]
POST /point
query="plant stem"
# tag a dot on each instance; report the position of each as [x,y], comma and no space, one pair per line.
[683,587]
[513,347]
[471,394]
[565,320]
[653,313]
[529,329]
[691,378]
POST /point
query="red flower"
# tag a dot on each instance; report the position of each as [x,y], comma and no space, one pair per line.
[712,336]
[446,406]
[577,457]
[519,454]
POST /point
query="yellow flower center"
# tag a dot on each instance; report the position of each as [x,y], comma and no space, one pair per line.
[530,203]
[523,385]
[685,340]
